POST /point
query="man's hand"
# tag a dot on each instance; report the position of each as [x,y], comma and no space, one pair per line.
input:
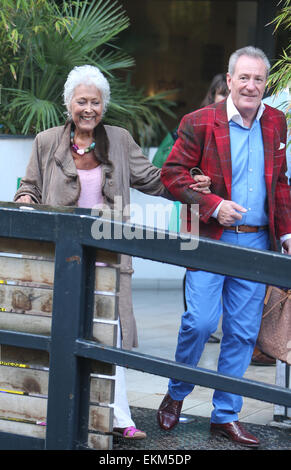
[229,213]
[287,246]
[26,199]
[202,184]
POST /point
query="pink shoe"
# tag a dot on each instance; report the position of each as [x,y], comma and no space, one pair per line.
[129,433]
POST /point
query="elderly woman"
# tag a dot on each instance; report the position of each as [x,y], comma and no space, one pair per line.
[86,163]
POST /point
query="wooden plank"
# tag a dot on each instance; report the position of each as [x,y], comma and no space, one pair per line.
[35,300]
[23,407]
[29,309]
[25,380]
[47,250]
[102,390]
[100,418]
[29,358]
[106,279]
[99,441]
[98,367]
[108,257]
[26,323]
[106,306]
[23,299]
[28,247]
[35,382]
[22,428]
[103,333]
[26,270]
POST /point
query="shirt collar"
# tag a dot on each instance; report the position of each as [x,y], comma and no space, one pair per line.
[234,115]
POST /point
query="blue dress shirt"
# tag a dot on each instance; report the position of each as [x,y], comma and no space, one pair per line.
[248,186]
[248,168]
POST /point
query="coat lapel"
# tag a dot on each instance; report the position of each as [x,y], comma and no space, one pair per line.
[63,155]
[222,138]
[267,127]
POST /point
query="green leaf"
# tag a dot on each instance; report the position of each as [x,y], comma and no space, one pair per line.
[42,40]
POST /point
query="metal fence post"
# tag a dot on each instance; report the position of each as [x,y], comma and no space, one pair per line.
[68,380]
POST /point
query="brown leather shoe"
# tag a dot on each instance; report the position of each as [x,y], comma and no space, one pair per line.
[169,412]
[261,359]
[235,432]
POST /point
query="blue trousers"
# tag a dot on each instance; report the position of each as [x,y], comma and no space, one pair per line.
[209,295]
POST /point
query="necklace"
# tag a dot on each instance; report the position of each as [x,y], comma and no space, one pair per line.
[77,149]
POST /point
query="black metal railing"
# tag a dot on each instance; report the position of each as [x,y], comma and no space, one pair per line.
[70,345]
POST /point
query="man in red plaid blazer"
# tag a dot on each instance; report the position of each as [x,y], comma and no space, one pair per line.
[241,145]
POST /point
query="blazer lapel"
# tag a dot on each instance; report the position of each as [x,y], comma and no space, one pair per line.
[222,138]
[267,127]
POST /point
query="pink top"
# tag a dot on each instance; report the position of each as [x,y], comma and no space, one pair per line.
[91,181]
[91,195]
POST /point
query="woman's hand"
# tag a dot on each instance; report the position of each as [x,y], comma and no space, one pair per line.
[202,184]
[26,199]
[287,246]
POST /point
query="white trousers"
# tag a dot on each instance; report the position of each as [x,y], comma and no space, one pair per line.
[122,415]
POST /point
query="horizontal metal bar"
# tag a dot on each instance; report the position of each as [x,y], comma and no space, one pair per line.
[25,340]
[267,267]
[165,368]
[9,441]
[51,224]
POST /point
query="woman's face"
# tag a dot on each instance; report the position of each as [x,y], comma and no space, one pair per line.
[219,97]
[86,108]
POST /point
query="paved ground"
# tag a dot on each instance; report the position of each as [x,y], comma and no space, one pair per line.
[195,436]
[158,314]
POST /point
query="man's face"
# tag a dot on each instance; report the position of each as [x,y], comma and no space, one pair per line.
[247,85]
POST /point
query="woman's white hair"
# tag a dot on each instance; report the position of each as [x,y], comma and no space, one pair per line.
[249,51]
[86,75]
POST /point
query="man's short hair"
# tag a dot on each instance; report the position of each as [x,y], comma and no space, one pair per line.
[249,51]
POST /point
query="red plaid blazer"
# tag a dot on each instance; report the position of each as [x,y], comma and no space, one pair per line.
[204,141]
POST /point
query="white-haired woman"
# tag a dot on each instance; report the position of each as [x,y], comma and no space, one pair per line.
[86,163]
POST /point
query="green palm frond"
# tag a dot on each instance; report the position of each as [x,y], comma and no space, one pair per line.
[140,114]
[283,19]
[280,76]
[35,114]
[95,22]
[42,40]
[108,60]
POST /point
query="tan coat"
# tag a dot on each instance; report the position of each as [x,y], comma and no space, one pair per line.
[51,178]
